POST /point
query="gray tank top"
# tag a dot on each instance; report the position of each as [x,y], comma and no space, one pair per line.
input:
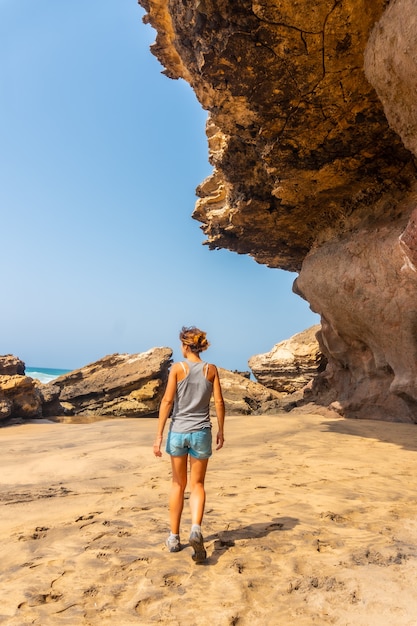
[192,401]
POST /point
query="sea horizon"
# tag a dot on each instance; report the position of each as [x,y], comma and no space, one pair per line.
[45,374]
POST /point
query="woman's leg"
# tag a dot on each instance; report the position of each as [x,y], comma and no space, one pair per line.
[179,482]
[197,491]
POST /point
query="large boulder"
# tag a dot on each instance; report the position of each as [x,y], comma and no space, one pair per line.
[119,385]
[11,365]
[291,364]
[243,396]
[132,385]
[366,296]
[19,395]
[314,167]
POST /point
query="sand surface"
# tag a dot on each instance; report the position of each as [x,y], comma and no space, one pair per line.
[310,519]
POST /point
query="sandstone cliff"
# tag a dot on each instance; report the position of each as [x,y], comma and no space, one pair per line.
[246,397]
[314,168]
[19,395]
[131,385]
[118,385]
[291,364]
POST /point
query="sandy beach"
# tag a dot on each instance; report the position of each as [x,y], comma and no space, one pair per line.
[310,519]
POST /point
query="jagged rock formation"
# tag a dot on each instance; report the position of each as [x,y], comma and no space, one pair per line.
[291,364]
[391,67]
[19,395]
[246,397]
[131,385]
[119,385]
[309,174]
[11,365]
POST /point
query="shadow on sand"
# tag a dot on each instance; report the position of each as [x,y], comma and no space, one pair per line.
[227,538]
[398,433]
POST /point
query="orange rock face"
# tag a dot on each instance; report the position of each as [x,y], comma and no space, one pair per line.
[313,167]
[19,395]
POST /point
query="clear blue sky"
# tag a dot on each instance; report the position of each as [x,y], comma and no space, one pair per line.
[100,155]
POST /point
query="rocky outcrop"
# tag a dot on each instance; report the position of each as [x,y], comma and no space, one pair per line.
[11,365]
[132,385]
[391,67]
[365,288]
[314,170]
[19,395]
[298,138]
[119,385]
[291,364]
[243,396]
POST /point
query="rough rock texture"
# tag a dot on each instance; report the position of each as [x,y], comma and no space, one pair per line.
[291,364]
[128,385]
[367,290]
[298,139]
[19,395]
[131,385]
[11,365]
[391,67]
[309,174]
[246,397]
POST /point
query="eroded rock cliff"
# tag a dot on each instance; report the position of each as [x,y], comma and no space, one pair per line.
[291,364]
[313,169]
[131,385]
[19,395]
[118,385]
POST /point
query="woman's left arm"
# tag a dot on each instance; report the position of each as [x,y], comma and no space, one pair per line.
[165,409]
[219,407]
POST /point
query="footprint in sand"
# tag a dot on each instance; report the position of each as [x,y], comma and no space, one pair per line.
[171,580]
[334,517]
[275,526]
[41,598]
[142,606]
[88,516]
[91,592]
[39,533]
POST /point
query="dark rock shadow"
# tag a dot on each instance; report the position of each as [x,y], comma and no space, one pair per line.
[226,539]
[399,433]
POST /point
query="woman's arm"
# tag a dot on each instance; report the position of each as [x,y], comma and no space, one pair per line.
[219,407]
[165,408]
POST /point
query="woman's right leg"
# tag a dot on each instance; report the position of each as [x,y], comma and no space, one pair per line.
[179,483]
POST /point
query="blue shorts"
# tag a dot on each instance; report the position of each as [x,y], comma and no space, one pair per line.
[197,443]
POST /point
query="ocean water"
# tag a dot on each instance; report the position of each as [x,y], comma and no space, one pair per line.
[44,374]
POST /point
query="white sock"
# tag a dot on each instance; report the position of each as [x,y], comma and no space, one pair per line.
[196,528]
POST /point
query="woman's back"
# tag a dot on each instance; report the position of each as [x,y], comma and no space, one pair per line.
[192,401]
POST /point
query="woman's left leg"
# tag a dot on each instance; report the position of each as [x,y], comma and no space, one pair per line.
[179,483]
[197,490]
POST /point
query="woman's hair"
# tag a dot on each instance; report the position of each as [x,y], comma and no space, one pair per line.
[194,338]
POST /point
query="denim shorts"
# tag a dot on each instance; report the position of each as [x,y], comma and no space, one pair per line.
[197,443]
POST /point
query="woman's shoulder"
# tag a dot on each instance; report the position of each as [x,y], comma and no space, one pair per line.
[179,370]
[211,371]
[178,366]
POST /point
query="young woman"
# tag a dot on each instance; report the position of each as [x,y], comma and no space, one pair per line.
[191,383]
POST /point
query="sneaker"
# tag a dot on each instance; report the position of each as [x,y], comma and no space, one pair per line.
[196,541]
[173,543]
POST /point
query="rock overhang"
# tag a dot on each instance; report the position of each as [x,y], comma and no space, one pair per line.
[300,146]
